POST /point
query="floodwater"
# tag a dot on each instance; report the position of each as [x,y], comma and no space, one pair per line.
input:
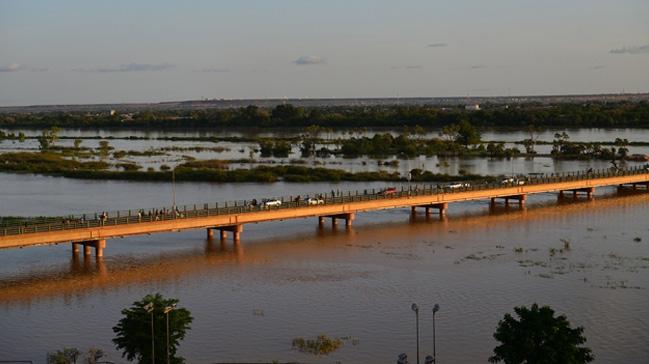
[289,279]
[180,150]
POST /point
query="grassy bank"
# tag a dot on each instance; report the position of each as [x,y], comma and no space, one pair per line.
[202,171]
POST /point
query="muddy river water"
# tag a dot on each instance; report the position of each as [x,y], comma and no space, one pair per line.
[289,279]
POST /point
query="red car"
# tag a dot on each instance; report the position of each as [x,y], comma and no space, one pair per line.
[388,191]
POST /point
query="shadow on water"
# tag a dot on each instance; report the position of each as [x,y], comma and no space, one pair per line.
[86,274]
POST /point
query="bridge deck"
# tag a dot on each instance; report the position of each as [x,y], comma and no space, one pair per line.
[86,230]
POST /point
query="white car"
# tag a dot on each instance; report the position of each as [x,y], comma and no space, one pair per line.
[458,185]
[272,203]
[314,201]
[512,181]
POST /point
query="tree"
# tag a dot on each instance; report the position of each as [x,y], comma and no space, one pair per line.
[467,134]
[65,356]
[538,337]
[104,147]
[133,331]
[48,137]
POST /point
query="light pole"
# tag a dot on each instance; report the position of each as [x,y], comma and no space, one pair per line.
[415,308]
[166,312]
[435,309]
[173,189]
[149,309]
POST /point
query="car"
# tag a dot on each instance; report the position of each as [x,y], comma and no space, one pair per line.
[512,181]
[314,201]
[454,186]
[388,191]
[271,203]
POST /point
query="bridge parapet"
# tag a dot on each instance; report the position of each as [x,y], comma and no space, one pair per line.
[103,220]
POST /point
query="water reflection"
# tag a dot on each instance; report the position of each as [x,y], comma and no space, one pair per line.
[87,274]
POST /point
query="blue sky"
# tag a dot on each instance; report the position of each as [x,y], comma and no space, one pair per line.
[134,51]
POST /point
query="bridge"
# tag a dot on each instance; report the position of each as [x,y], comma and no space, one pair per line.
[92,231]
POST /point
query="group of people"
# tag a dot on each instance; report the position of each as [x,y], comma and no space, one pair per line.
[157,214]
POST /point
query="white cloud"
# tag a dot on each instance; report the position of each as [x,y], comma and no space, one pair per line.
[631,50]
[309,60]
[13,67]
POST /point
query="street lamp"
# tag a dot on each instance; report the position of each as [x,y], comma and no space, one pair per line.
[166,312]
[149,309]
[435,309]
[415,308]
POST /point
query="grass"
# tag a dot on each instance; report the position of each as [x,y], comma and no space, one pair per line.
[322,345]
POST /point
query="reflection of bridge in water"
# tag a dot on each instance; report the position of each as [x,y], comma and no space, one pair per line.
[81,231]
[87,275]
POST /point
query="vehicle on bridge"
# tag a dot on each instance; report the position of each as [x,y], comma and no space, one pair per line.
[388,191]
[314,201]
[457,185]
[268,203]
[517,181]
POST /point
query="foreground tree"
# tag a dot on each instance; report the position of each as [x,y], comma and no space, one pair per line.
[538,337]
[133,331]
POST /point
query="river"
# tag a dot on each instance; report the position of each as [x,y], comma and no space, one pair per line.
[289,279]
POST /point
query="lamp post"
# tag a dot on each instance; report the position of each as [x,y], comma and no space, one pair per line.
[166,312]
[173,189]
[415,308]
[435,309]
[149,309]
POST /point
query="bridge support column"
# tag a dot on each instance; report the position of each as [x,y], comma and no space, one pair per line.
[588,191]
[99,245]
[348,217]
[235,229]
[520,198]
[210,234]
[441,208]
[75,249]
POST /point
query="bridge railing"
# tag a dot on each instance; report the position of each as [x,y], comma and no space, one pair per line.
[287,202]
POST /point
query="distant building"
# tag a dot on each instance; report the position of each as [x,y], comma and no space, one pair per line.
[474,107]
[113,112]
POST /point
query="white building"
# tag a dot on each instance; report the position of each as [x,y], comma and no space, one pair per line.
[474,107]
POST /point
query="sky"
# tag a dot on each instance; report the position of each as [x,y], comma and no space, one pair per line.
[79,51]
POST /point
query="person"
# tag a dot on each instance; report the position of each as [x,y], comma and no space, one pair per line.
[254,202]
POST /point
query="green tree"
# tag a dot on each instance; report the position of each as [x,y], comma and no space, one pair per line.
[467,134]
[65,356]
[48,137]
[104,147]
[538,337]
[133,331]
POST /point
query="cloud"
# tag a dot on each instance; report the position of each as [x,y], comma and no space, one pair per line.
[309,60]
[599,67]
[130,67]
[631,50]
[478,66]
[215,70]
[437,45]
[13,67]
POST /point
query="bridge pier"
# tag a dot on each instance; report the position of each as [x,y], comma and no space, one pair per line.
[520,198]
[588,191]
[99,245]
[348,217]
[441,208]
[223,232]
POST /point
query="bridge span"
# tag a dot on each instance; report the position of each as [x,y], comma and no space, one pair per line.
[92,232]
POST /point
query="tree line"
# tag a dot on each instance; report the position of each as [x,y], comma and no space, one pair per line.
[601,115]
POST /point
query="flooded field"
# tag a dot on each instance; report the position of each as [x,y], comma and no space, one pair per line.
[587,259]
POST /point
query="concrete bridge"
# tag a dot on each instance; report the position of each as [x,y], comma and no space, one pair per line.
[92,232]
